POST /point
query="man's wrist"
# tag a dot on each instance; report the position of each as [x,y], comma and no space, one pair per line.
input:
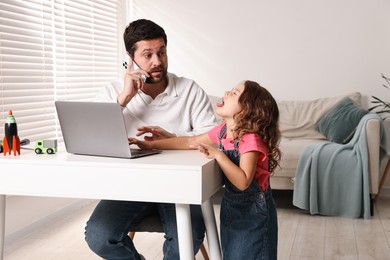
[122,101]
[117,101]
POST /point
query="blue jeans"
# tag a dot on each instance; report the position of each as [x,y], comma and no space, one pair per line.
[107,229]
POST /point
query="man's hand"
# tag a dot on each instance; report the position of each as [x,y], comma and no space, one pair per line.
[157,133]
[143,145]
[132,84]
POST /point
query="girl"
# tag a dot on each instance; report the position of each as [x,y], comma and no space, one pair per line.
[247,153]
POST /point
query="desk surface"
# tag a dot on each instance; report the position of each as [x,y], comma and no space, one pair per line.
[181,177]
[172,176]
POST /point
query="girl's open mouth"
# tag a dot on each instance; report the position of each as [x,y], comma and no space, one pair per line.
[220,104]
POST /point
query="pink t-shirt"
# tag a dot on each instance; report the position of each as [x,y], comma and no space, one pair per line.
[249,142]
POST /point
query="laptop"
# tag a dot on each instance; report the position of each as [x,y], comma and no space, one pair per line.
[96,128]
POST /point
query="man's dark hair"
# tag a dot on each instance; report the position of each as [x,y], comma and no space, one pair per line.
[140,30]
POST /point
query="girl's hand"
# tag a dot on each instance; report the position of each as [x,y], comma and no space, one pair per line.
[143,145]
[210,151]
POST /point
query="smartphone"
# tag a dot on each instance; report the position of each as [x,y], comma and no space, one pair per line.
[136,67]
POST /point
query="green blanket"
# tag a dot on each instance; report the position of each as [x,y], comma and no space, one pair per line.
[332,179]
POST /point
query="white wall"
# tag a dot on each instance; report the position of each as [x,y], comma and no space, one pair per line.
[297,49]
[300,49]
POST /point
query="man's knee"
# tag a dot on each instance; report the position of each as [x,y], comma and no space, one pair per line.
[96,238]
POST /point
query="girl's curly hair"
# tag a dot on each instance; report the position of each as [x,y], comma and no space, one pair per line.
[259,114]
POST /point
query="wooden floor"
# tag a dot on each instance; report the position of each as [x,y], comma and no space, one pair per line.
[301,236]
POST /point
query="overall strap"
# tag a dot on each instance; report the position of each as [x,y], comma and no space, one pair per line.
[221,135]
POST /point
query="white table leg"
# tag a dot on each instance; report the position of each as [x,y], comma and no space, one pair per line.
[2,225]
[184,231]
[211,230]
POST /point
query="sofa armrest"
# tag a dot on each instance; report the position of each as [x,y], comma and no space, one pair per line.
[373,145]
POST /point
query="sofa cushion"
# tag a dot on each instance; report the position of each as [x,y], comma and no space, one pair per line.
[298,118]
[340,123]
[291,149]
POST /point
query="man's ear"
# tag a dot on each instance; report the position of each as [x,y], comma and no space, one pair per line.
[131,55]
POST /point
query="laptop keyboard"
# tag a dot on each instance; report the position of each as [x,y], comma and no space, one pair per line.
[136,152]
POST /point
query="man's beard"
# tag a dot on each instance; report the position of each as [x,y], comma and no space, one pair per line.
[163,77]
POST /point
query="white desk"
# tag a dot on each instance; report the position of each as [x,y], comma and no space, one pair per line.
[180,177]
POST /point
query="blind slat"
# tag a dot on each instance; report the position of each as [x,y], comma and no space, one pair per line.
[55,50]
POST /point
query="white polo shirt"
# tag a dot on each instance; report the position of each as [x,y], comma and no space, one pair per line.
[183,108]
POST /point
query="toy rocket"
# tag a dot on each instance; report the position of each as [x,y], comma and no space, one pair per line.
[11,139]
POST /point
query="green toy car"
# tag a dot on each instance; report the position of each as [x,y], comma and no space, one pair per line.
[45,146]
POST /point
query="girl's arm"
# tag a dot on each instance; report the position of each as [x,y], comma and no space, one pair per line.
[241,176]
[174,143]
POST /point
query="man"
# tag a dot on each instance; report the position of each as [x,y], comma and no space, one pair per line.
[163,106]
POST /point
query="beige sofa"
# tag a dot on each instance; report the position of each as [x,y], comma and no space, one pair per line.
[297,125]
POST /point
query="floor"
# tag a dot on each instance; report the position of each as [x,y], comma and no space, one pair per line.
[301,236]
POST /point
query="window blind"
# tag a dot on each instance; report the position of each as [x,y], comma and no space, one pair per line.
[54,50]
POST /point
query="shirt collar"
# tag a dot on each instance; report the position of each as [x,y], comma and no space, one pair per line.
[170,90]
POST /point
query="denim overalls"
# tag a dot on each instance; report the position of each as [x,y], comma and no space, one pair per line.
[249,226]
